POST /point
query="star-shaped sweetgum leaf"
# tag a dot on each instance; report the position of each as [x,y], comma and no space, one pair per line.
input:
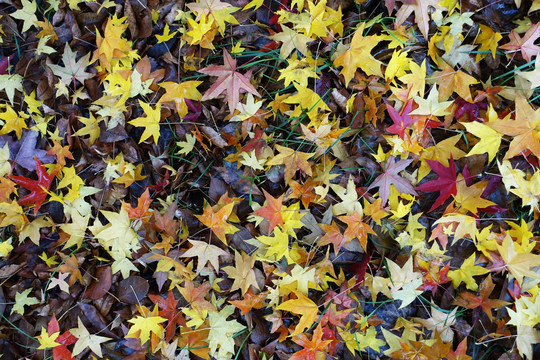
[61,152]
[356,228]
[38,188]
[169,310]
[72,69]
[390,176]
[523,129]
[272,210]
[359,56]
[293,161]
[445,184]
[250,301]
[421,13]
[401,121]
[332,235]
[470,300]
[311,348]
[216,220]
[526,43]
[229,80]
[61,351]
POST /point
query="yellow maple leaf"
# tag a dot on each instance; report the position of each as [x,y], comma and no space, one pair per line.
[5,247]
[220,337]
[76,229]
[277,246]
[290,41]
[5,166]
[13,121]
[177,93]
[186,146]
[490,139]
[201,33]
[21,300]
[523,129]
[466,272]
[27,14]
[47,341]
[304,307]
[118,237]
[85,340]
[143,326]
[518,263]
[359,56]
[431,106]
[404,282]
[242,273]
[466,225]
[451,81]
[368,339]
[398,64]
[32,229]
[469,197]
[416,80]
[293,161]
[488,41]
[91,127]
[150,122]
[167,34]
[255,4]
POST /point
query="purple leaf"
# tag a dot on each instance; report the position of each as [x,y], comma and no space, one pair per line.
[390,176]
[22,152]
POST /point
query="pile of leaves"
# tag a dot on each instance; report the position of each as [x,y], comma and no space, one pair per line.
[304,179]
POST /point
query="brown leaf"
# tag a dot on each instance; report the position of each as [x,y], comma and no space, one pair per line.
[132,290]
[101,286]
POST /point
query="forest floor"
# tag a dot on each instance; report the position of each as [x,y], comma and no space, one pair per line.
[267,179]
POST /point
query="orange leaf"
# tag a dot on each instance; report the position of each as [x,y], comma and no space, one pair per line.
[217,221]
[293,161]
[469,300]
[314,349]
[141,211]
[356,229]
[304,307]
[272,211]
[60,152]
[249,302]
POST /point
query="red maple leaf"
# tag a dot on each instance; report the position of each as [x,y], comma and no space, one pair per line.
[433,277]
[401,121]
[229,80]
[445,184]
[170,311]
[343,299]
[38,188]
[258,142]
[471,109]
[360,268]
[61,352]
[335,317]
